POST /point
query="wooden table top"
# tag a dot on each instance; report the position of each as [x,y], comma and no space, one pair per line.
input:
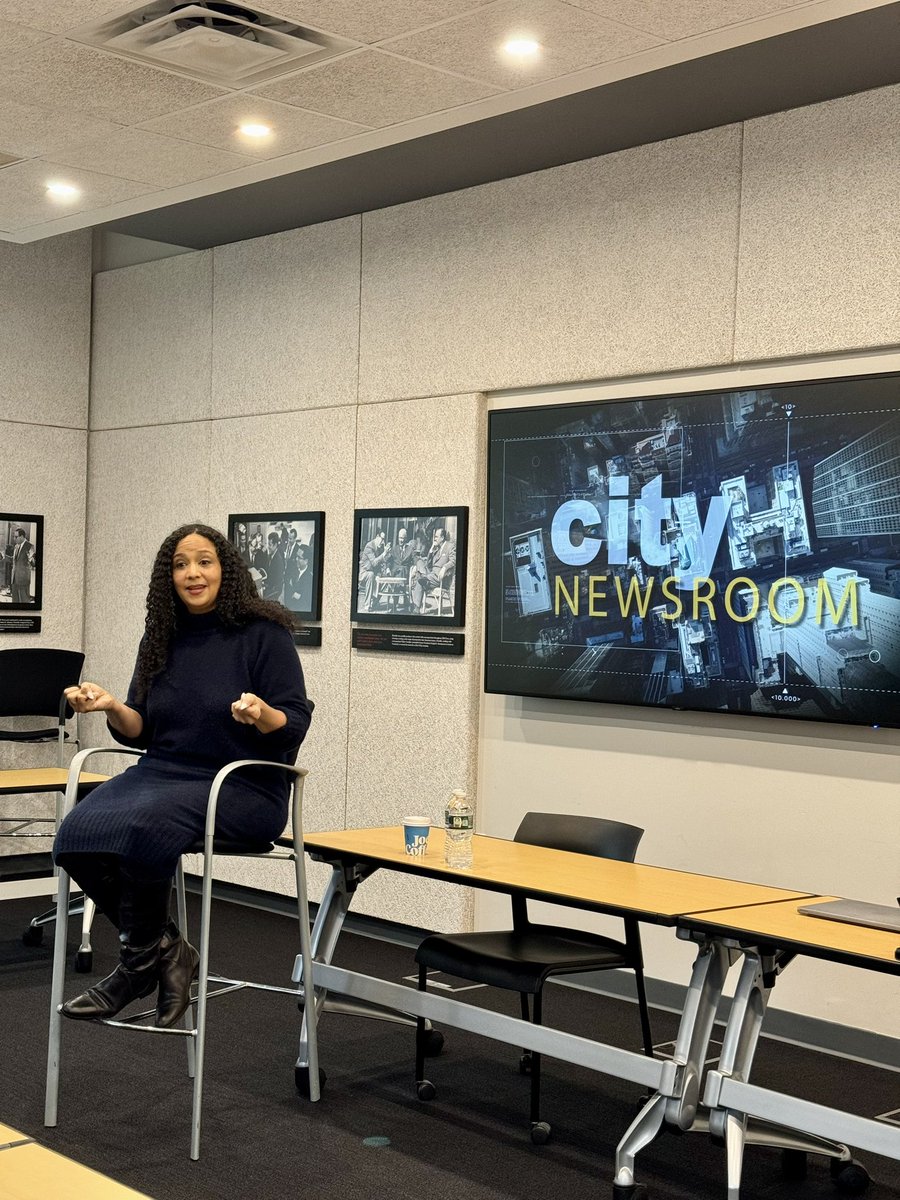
[580,880]
[782,925]
[8,1134]
[33,1172]
[41,779]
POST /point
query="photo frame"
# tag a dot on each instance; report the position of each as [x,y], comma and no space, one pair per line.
[22,562]
[275,547]
[409,565]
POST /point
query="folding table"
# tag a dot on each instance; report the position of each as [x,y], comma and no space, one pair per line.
[652,894]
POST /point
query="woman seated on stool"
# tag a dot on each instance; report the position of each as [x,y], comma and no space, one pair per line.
[217,678]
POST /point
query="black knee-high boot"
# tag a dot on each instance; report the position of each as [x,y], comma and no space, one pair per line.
[143,912]
[99,877]
[178,964]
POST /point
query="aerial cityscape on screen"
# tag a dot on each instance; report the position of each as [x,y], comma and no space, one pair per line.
[733,551]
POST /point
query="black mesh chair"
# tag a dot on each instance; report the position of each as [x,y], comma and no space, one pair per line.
[31,687]
[521,959]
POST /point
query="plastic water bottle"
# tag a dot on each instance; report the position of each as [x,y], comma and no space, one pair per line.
[459,825]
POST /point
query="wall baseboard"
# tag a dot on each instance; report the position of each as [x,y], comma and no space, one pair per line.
[844,1041]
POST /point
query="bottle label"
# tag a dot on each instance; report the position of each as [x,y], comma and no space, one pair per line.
[458,821]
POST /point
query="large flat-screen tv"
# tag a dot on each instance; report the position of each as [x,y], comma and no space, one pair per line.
[728,551]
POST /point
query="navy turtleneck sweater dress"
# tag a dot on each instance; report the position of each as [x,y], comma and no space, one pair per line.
[153,811]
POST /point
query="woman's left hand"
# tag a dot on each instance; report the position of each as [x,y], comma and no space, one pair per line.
[248,709]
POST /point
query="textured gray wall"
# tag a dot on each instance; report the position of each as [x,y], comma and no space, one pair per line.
[340,366]
[45,318]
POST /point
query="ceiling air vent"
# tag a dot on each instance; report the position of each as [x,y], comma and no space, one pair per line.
[228,44]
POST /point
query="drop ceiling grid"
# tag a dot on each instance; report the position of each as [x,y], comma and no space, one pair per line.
[122,130]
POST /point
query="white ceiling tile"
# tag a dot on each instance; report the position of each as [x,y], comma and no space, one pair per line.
[370,20]
[216,124]
[150,158]
[24,201]
[91,81]
[570,39]
[15,38]
[376,88]
[31,131]
[675,19]
[58,16]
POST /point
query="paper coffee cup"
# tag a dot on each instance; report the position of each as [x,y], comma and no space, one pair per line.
[415,835]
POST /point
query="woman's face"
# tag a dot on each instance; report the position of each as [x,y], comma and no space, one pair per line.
[196,573]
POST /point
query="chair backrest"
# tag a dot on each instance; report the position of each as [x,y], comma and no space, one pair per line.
[32,681]
[580,835]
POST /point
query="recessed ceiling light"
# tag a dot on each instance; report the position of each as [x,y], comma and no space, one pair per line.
[254,129]
[521,47]
[62,191]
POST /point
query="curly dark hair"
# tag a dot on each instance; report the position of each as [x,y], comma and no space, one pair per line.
[236,604]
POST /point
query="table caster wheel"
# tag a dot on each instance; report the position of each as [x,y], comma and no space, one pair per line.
[629,1191]
[33,935]
[425,1090]
[850,1176]
[84,961]
[793,1164]
[434,1043]
[301,1081]
[540,1133]
[525,1063]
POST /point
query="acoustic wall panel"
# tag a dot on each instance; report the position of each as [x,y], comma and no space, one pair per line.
[613,266]
[152,343]
[286,321]
[413,729]
[45,322]
[820,229]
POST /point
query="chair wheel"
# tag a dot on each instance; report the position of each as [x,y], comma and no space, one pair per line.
[84,961]
[33,935]
[540,1133]
[425,1090]
[850,1176]
[433,1043]
[629,1191]
[301,1081]
[525,1063]
[794,1164]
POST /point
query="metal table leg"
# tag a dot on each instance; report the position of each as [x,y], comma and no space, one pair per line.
[676,1104]
[332,912]
[759,972]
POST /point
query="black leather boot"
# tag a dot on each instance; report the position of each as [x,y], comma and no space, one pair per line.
[143,912]
[136,976]
[178,966]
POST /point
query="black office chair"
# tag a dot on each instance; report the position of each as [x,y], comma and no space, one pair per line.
[31,686]
[523,958]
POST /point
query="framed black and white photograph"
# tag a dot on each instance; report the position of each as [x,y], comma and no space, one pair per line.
[410,565]
[284,554]
[22,542]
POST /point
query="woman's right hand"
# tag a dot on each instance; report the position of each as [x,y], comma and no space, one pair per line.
[90,697]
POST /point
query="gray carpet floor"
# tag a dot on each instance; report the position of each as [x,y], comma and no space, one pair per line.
[125,1098]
